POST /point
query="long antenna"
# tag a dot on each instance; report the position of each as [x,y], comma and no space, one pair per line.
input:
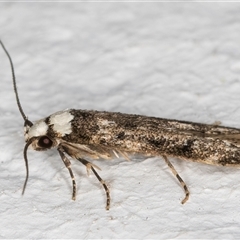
[27,122]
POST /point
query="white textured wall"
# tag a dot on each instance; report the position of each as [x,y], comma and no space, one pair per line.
[172,60]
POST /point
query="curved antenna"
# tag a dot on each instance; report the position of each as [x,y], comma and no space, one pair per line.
[27,122]
[26,162]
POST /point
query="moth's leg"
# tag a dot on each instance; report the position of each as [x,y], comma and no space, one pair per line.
[90,166]
[187,193]
[67,163]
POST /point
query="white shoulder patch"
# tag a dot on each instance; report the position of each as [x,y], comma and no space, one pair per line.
[61,122]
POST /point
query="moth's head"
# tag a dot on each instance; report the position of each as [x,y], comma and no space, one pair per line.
[37,135]
[48,132]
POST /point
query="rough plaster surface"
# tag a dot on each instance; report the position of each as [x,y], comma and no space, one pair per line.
[173,60]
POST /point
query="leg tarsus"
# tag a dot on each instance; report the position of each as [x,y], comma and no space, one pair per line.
[187,193]
[91,166]
[67,163]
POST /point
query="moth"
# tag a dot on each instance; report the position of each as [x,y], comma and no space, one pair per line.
[84,134]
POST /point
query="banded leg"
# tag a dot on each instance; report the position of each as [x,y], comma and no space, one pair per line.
[91,166]
[67,163]
[187,193]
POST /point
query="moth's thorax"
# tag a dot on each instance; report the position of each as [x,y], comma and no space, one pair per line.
[57,124]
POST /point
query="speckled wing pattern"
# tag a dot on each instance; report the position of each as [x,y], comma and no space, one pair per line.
[103,134]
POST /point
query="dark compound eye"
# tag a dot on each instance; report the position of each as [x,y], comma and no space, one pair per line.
[45,142]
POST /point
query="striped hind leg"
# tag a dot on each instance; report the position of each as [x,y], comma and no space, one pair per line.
[187,193]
